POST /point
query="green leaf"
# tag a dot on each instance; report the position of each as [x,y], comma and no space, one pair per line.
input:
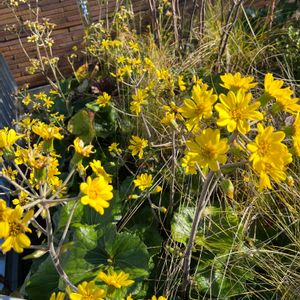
[224,280]
[143,224]
[43,281]
[105,122]
[64,213]
[181,225]
[93,106]
[98,247]
[82,126]
[218,229]
[75,262]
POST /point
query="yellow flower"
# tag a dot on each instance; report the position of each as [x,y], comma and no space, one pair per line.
[137,145]
[296,144]
[88,290]
[82,72]
[47,132]
[103,99]
[5,213]
[268,145]
[168,118]
[181,83]
[296,134]
[296,125]
[47,101]
[143,181]
[138,100]
[129,297]
[10,172]
[121,59]
[199,81]
[116,43]
[158,189]
[16,238]
[121,72]
[189,163]
[97,193]
[273,88]
[81,149]
[200,106]
[236,82]
[269,156]
[290,181]
[288,104]
[22,200]
[159,298]
[133,197]
[235,110]
[172,110]
[208,149]
[8,138]
[163,210]
[59,296]
[266,169]
[99,170]
[148,64]
[163,74]
[114,148]
[26,101]
[115,279]
[133,46]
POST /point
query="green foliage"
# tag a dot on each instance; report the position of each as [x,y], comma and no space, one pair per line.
[98,249]
[218,230]
[247,242]
[81,125]
[43,281]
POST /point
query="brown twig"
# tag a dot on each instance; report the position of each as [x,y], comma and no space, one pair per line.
[175,16]
[53,254]
[154,21]
[207,189]
[230,22]
[271,14]
[201,19]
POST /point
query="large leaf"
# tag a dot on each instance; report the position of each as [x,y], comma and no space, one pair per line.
[143,224]
[62,216]
[218,229]
[75,262]
[82,126]
[43,281]
[105,122]
[182,224]
[214,283]
[98,247]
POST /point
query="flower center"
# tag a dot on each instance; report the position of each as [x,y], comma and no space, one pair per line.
[236,114]
[200,109]
[15,228]
[263,148]
[209,152]
[93,193]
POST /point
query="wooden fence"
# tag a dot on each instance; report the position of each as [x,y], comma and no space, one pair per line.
[68,32]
